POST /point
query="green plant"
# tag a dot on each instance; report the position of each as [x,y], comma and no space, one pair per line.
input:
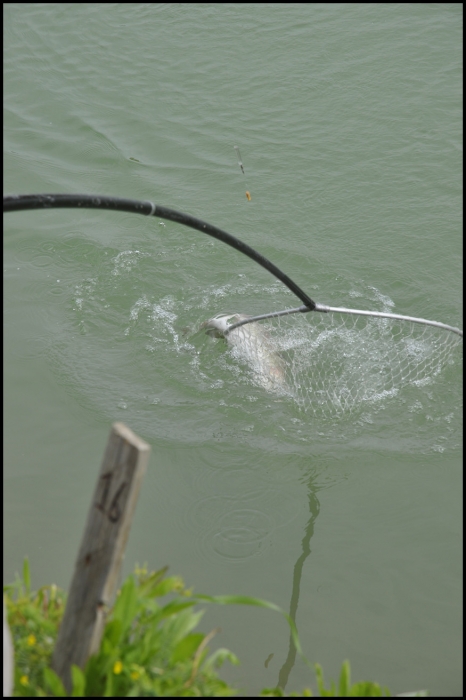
[149,647]
[363,689]
[33,619]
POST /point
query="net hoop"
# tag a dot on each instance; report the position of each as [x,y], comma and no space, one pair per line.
[342,310]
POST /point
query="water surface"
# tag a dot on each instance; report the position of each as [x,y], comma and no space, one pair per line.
[348,118]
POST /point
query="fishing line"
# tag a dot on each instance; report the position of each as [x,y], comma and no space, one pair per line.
[240,163]
[238,155]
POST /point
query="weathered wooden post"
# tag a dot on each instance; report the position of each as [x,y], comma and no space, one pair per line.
[102,549]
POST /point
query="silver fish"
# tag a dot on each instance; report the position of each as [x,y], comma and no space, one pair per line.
[252,344]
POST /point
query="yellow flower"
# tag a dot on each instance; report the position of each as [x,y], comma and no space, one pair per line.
[24,680]
[134,675]
[117,668]
[31,640]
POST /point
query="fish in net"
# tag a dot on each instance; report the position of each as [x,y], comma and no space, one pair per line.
[332,363]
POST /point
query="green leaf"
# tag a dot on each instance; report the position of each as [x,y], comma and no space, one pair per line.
[366,689]
[167,585]
[126,604]
[95,671]
[186,647]
[175,606]
[112,635]
[320,683]
[345,682]
[259,603]
[181,624]
[218,657]
[79,682]
[54,683]
[27,575]
[149,583]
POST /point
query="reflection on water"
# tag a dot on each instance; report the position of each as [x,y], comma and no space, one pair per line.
[314,509]
[239,511]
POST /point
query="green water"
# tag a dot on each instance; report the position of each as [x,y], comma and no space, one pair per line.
[348,118]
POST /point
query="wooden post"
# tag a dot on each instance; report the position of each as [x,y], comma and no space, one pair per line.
[102,549]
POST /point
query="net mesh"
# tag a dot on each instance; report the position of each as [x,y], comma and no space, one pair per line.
[333,362]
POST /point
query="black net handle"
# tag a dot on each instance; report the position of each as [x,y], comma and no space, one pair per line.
[21,202]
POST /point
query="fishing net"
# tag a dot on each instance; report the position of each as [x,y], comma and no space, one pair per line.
[330,359]
[332,363]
